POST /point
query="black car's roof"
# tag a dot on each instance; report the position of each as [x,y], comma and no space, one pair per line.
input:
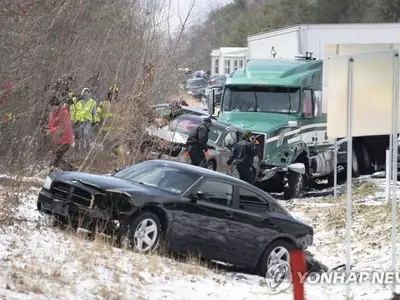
[199,171]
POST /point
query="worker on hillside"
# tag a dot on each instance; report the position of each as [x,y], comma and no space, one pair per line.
[60,130]
[86,115]
[105,112]
[197,143]
[244,152]
[76,122]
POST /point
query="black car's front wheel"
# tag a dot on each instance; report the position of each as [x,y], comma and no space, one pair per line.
[144,234]
[275,258]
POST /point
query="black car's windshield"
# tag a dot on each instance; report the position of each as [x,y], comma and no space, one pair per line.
[196,83]
[261,99]
[161,176]
[184,124]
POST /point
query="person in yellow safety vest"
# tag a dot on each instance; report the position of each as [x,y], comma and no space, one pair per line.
[86,117]
[106,118]
[75,122]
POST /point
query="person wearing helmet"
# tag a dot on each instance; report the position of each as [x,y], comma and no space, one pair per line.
[197,143]
[106,112]
[243,153]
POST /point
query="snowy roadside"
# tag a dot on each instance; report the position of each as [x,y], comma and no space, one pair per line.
[40,262]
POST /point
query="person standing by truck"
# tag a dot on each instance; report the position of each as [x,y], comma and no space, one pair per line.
[243,153]
[197,143]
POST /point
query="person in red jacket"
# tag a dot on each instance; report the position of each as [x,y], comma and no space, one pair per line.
[60,130]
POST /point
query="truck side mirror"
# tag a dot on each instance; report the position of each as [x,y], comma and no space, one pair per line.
[210,103]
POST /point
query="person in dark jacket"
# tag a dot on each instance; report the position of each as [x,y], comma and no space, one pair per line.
[244,152]
[197,143]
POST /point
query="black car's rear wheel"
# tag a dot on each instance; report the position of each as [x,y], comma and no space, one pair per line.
[143,235]
[276,258]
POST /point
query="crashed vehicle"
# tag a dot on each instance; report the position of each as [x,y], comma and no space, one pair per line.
[187,208]
[196,87]
[165,109]
[222,138]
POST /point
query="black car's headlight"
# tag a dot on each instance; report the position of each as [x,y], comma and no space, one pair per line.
[47,183]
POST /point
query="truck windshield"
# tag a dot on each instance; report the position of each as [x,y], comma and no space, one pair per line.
[261,99]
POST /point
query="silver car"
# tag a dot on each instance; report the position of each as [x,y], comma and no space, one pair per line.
[222,138]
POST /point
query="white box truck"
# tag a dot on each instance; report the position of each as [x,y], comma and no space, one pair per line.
[297,40]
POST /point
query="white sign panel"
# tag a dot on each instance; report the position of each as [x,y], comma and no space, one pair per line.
[372,93]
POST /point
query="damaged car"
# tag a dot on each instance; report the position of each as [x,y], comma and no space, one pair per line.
[187,208]
[169,143]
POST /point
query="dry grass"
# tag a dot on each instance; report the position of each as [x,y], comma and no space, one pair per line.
[366,218]
[195,266]
[359,191]
[336,214]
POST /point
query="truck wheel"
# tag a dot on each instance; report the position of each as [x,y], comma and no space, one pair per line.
[294,185]
[355,164]
[363,158]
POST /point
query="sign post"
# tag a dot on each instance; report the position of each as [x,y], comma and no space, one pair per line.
[388,171]
[335,152]
[349,170]
[394,161]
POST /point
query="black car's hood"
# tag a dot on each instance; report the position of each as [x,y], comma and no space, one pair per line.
[105,182]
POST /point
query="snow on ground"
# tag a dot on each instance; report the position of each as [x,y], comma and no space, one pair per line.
[38,261]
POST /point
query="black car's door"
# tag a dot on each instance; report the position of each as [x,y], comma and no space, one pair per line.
[253,229]
[209,217]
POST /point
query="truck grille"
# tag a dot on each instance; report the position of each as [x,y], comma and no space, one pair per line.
[71,193]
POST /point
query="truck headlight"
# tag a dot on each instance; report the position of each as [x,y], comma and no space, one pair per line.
[47,183]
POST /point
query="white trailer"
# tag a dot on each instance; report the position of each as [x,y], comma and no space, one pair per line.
[297,40]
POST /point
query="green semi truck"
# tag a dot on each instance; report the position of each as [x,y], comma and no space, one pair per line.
[281,101]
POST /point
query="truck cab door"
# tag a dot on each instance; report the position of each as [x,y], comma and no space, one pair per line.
[308,130]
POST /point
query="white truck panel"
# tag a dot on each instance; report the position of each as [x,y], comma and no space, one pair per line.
[286,44]
[318,38]
[289,42]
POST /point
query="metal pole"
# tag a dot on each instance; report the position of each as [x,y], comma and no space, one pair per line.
[349,171]
[335,151]
[388,173]
[394,162]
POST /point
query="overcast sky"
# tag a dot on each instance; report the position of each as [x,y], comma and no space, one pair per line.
[201,8]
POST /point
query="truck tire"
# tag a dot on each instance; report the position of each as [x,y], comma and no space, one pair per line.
[355,164]
[363,158]
[294,185]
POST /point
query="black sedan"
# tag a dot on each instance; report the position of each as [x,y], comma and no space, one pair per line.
[192,209]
